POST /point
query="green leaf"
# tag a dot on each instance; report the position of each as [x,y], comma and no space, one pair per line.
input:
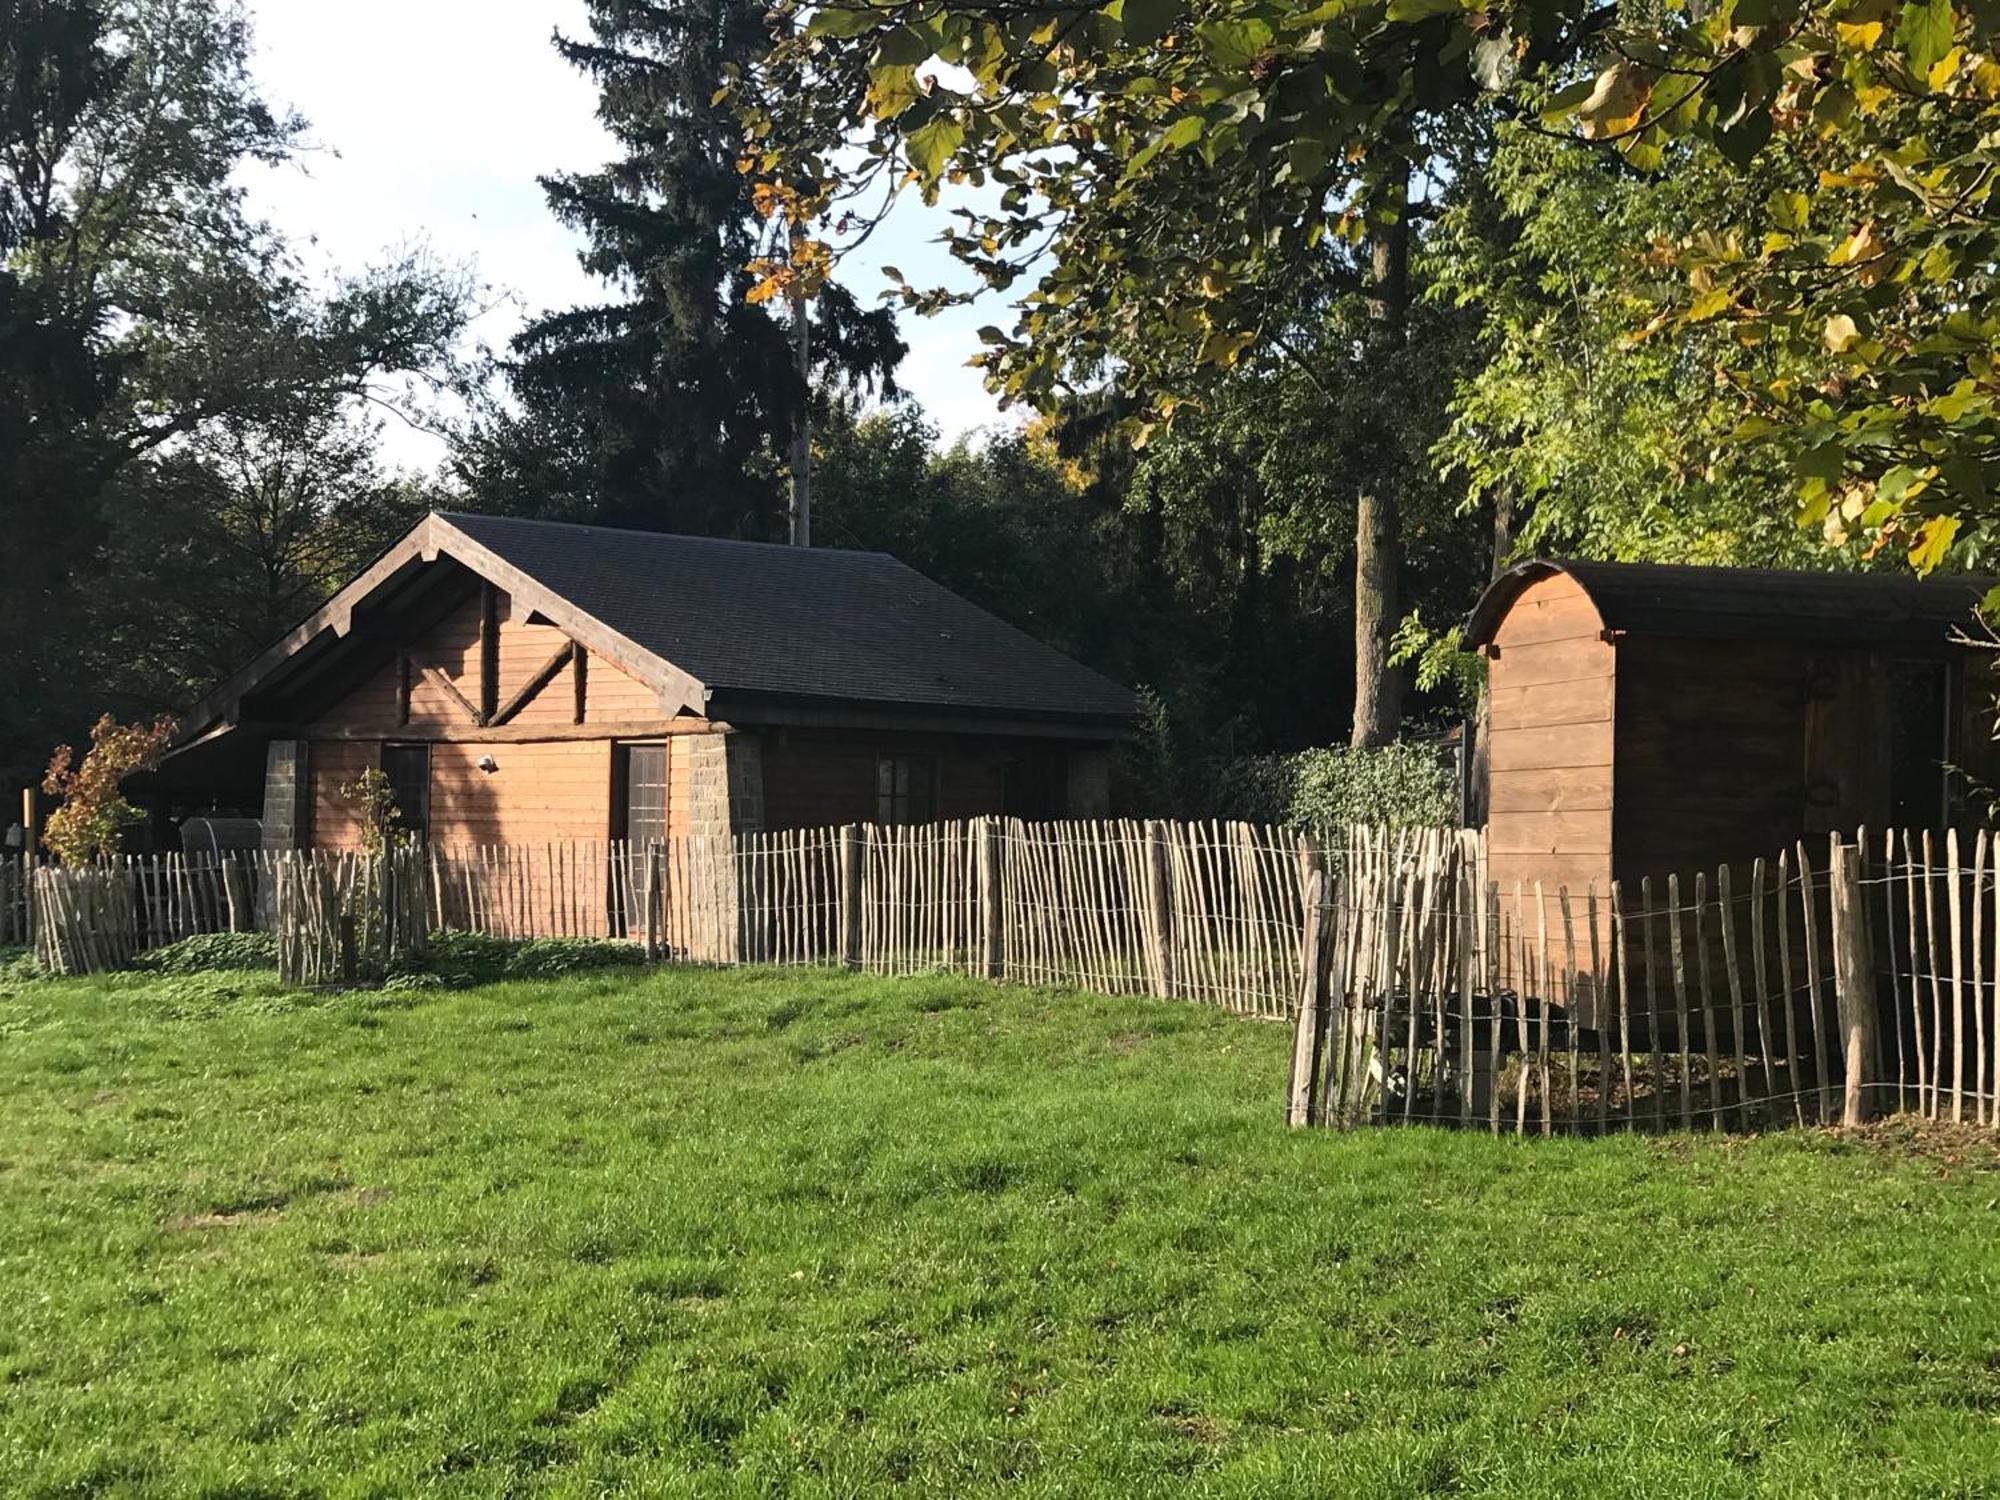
[844,21]
[1421,10]
[1146,21]
[905,45]
[1183,133]
[1924,33]
[893,89]
[930,147]
[1234,45]
[1566,101]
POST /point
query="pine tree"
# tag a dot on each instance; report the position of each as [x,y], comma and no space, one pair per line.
[671,404]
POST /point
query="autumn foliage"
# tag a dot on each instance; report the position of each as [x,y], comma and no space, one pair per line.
[94,808]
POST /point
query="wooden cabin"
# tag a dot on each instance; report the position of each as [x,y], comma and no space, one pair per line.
[523,682]
[1648,719]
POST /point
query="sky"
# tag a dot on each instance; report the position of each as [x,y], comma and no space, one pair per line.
[430,120]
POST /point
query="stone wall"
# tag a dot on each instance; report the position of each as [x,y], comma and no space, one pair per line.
[287,795]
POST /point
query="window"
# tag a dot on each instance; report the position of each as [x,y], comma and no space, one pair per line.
[408,768]
[905,788]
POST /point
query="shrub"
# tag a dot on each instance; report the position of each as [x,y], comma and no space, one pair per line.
[18,966]
[470,958]
[94,808]
[211,952]
[1402,784]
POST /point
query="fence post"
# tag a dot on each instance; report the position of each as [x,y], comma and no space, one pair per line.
[993,850]
[1309,1035]
[852,868]
[1161,907]
[1854,979]
[31,844]
[652,902]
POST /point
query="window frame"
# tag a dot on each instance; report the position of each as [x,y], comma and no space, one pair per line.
[420,825]
[906,788]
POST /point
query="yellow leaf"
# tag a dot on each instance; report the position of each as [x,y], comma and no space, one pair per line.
[1841,334]
[1617,103]
[1225,348]
[1860,35]
[1942,70]
[1711,304]
[1858,246]
[1932,541]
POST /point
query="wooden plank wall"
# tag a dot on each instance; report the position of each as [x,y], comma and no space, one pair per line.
[452,648]
[1711,753]
[817,779]
[1551,741]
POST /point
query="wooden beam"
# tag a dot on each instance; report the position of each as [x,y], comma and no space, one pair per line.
[489,651]
[449,688]
[499,734]
[678,690]
[402,687]
[544,675]
[581,656]
[337,614]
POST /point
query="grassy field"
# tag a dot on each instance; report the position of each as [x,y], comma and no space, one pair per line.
[760,1233]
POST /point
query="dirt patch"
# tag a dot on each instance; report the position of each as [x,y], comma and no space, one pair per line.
[1952,1149]
[1198,1427]
[238,1219]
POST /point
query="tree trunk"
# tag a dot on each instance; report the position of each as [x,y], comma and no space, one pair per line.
[1378,524]
[801,500]
[1478,780]
[1378,687]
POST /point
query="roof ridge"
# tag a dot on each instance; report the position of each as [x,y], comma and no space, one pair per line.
[456,516]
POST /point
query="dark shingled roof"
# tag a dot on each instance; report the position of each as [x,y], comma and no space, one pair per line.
[1748,603]
[797,622]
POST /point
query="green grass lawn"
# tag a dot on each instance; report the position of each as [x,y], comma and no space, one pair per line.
[767,1232]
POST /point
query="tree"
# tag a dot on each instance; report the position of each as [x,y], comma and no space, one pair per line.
[1593,442]
[1168,172]
[672,404]
[146,319]
[53,70]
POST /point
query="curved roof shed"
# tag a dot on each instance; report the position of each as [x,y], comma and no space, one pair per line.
[1650,718]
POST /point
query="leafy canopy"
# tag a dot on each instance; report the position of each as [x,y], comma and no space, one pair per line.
[1166,173]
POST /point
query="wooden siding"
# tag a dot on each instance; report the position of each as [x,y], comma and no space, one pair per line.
[1550,741]
[814,780]
[331,764]
[1711,752]
[612,696]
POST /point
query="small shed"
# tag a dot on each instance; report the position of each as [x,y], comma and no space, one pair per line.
[1650,718]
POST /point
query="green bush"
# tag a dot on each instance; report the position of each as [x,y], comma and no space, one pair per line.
[211,952]
[1402,784]
[19,966]
[463,959]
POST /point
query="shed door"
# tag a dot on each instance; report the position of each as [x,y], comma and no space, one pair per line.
[1920,748]
[639,816]
[643,792]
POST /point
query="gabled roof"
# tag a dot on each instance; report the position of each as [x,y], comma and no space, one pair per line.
[798,622]
[1747,603]
[743,631]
